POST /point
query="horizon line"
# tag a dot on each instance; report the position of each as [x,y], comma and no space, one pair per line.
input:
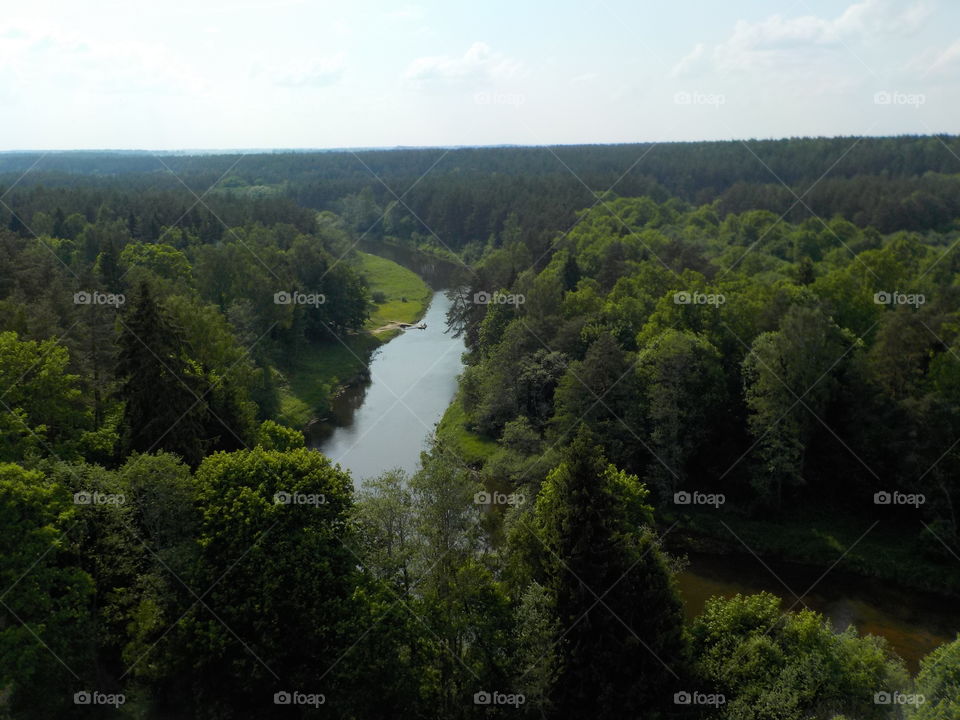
[368,148]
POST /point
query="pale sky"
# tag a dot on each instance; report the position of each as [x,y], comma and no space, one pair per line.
[176,74]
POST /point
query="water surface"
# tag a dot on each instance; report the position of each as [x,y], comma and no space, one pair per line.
[385,424]
[913,622]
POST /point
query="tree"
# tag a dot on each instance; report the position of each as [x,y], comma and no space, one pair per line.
[385,529]
[161,260]
[792,666]
[225,373]
[684,388]
[466,610]
[276,577]
[620,656]
[41,411]
[537,655]
[789,379]
[45,626]
[273,436]
[163,408]
[939,683]
[599,391]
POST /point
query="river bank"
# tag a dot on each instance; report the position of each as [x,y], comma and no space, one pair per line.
[914,623]
[818,539]
[821,540]
[315,376]
[905,593]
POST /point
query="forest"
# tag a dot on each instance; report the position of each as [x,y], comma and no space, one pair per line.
[662,342]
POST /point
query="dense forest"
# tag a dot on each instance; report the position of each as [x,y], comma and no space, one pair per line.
[652,332]
[461,199]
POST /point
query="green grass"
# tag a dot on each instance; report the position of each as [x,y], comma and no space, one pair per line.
[396,282]
[313,376]
[822,539]
[467,445]
[315,373]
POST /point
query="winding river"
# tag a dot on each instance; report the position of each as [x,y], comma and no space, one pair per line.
[385,424]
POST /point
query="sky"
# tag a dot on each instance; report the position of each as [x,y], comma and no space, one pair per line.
[240,74]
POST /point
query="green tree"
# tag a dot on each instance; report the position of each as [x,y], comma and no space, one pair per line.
[276,580]
[273,436]
[466,610]
[621,653]
[161,260]
[159,385]
[790,377]
[600,392]
[684,385]
[791,666]
[939,683]
[41,410]
[45,625]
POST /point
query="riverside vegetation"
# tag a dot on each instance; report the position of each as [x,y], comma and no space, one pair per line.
[171,548]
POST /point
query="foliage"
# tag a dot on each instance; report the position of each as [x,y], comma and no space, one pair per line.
[794,666]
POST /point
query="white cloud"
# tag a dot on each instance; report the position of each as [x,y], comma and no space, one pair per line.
[688,62]
[585,79]
[407,12]
[477,65]
[941,62]
[52,57]
[318,72]
[777,42]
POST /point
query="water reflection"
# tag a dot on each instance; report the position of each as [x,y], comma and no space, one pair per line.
[385,423]
[914,623]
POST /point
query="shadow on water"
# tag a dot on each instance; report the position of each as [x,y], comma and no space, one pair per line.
[914,623]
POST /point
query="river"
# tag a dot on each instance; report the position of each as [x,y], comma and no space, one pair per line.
[385,424]
[913,622]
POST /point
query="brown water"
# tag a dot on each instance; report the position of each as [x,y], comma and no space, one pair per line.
[913,622]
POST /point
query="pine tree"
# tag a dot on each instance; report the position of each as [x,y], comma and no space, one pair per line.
[163,408]
[618,614]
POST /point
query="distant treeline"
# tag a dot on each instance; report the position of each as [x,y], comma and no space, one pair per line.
[457,197]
